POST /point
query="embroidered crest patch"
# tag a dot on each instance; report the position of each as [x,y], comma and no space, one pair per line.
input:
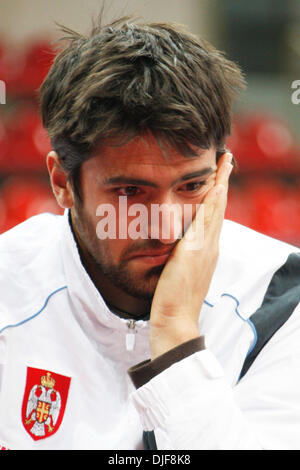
[44,402]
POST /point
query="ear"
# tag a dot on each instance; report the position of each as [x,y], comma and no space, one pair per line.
[60,185]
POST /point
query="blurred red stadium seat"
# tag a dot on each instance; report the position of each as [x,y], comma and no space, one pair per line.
[22,198]
[36,61]
[240,207]
[263,142]
[11,64]
[268,206]
[28,142]
[3,143]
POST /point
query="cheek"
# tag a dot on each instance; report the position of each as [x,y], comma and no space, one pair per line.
[111,238]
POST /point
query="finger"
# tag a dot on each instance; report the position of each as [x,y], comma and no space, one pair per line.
[222,178]
[216,201]
[210,213]
[216,198]
[224,169]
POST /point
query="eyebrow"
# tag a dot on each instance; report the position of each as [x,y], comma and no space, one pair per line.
[136,181]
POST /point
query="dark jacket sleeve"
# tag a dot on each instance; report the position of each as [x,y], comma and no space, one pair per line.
[141,373]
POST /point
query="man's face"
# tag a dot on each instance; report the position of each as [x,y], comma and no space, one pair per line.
[140,171]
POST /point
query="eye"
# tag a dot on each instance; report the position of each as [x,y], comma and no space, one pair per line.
[193,186]
[127,191]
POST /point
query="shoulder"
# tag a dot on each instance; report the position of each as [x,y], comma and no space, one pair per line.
[244,242]
[23,245]
[247,263]
[253,250]
[30,233]
[31,267]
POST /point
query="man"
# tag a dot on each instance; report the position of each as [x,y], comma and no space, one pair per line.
[116,333]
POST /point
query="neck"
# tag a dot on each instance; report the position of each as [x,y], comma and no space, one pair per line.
[119,302]
[123,314]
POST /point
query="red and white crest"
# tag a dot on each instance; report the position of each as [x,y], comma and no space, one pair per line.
[44,402]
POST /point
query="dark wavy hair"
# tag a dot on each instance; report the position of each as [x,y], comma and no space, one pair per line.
[128,78]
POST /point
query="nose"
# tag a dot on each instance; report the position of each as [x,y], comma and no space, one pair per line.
[165,222]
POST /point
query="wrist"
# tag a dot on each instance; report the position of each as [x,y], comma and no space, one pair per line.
[162,341]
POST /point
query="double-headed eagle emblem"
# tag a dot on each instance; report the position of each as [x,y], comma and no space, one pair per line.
[43,407]
[44,402]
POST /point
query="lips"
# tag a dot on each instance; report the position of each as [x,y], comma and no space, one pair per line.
[151,257]
[152,254]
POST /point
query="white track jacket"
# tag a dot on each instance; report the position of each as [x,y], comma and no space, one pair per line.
[64,356]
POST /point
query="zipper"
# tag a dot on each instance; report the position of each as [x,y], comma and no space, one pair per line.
[130,336]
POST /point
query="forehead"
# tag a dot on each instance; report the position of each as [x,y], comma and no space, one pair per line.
[143,154]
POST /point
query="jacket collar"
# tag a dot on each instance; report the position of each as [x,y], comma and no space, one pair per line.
[84,295]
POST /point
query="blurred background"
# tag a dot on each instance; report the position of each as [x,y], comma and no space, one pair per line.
[263,36]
